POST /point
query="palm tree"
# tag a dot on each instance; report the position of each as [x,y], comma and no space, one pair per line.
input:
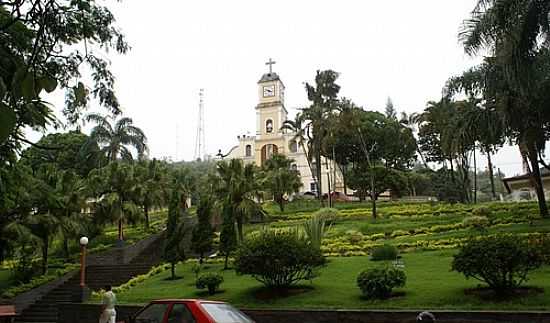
[239,187]
[298,127]
[517,34]
[115,186]
[151,186]
[324,102]
[280,179]
[411,122]
[115,139]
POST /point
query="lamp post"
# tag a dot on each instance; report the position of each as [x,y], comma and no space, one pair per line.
[83,243]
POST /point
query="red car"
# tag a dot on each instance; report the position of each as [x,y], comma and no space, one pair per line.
[189,311]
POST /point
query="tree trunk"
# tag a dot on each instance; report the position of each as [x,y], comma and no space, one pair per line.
[225,267]
[201,256]
[146,213]
[120,233]
[491,176]
[240,229]
[475,176]
[318,171]
[173,270]
[373,201]
[537,181]
[45,248]
[281,202]
[66,248]
[343,168]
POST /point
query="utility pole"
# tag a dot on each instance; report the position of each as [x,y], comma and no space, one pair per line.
[200,140]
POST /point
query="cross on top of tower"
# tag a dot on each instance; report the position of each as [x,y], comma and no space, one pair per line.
[270,63]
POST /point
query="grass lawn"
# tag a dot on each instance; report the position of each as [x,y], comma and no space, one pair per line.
[430,284]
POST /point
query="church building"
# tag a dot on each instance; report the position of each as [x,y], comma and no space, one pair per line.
[271,139]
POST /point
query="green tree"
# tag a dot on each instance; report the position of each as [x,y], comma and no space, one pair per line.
[114,187]
[114,139]
[68,151]
[279,179]
[513,33]
[228,235]
[203,234]
[151,186]
[387,148]
[239,184]
[298,127]
[323,96]
[49,45]
[174,251]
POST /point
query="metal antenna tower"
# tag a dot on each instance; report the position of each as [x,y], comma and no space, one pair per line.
[200,142]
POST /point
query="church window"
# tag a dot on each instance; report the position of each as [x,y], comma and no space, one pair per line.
[269,126]
[293,146]
[248,151]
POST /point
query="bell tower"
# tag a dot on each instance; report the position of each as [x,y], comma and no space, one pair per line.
[270,111]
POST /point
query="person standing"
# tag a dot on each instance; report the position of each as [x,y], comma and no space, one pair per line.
[108,312]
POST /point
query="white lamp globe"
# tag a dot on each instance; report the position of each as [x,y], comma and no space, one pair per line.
[84,241]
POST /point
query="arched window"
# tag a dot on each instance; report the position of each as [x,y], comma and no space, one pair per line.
[269,126]
[248,151]
[293,146]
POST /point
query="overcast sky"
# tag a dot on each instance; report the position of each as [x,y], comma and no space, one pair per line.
[401,49]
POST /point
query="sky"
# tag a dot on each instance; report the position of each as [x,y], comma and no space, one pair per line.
[401,49]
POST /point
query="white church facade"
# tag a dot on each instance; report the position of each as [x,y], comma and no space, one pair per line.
[271,139]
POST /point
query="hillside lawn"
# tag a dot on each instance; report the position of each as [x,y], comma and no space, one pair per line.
[430,284]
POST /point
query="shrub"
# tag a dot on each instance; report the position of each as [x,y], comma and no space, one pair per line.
[379,282]
[502,262]
[354,237]
[278,259]
[482,211]
[385,252]
[211,281]
[476,221]
[315,229]
[327,214]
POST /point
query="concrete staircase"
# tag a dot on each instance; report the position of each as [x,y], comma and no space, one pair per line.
[44,310]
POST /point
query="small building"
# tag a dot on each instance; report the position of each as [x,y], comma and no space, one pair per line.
[522,185]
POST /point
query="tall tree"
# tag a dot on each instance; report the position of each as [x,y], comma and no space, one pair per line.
[279,179]
[114,139]
[299,128]
[203,234]
[174,251]
[151,185]
[114,187]
[49,45]
[228,235]
[239,185]
[516,35]
[390,109]
[323,96]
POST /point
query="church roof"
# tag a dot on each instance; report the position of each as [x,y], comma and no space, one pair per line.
[269,77]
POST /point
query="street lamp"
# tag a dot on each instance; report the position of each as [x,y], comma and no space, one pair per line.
[83,243]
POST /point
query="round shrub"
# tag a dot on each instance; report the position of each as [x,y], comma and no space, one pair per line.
[211,281]
[482,211]
[379,282]
[328,214]
[278,259]
[477,222]
[502,262]
[384,252]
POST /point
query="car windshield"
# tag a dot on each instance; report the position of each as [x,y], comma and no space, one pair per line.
[225,313]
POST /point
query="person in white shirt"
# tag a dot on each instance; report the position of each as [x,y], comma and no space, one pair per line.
[108,313]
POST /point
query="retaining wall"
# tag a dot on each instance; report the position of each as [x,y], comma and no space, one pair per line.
[88,313]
